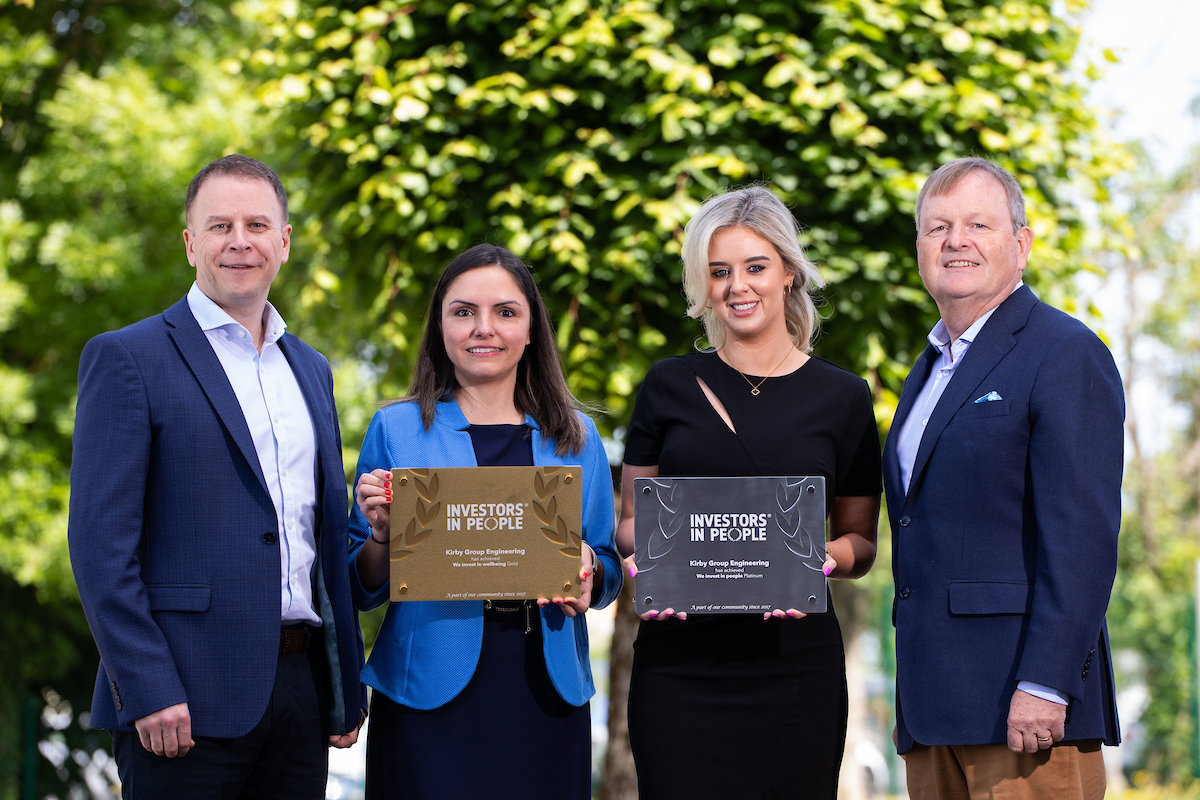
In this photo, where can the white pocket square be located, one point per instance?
(990, 397)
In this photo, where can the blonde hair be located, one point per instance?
(758, 210)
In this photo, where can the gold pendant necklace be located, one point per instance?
(754, 386)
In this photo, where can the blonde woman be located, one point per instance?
(749, 705)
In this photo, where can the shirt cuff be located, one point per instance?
(1044, 692)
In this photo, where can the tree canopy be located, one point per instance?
(584, 134)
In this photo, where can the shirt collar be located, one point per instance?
(211, 316)
(939, 337)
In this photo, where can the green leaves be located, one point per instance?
(584, 135)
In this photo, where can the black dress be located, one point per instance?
(725, 706)
(508, 734)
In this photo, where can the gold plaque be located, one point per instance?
(486, 533)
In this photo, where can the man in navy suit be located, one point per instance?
(208, 523)
(1003, 477)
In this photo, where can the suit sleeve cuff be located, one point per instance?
(1044, 692)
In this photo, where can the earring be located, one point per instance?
(787, 291)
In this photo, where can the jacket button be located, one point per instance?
(905, 592)
(904, 522)
(269, 537)
(115, 695)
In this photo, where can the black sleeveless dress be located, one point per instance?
(725, 706)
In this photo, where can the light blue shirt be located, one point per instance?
(913, 428)
(935, 385)
(277, 416)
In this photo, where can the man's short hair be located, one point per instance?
(946, 177)
(238, 166)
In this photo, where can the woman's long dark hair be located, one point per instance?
(541, 390)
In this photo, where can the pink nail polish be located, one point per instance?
(826, 571)
(632, 572)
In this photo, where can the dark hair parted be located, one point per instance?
(238, 166)
(541, 390)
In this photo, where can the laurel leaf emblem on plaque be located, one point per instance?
(670, 521)
(425, 514)
(554, 527)
(790, 522)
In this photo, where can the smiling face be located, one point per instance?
(237, 239)
(746, 284)
(969, 257)
(485, 326)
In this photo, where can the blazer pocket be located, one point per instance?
(992, 408)
(179, 598)
(981, 598)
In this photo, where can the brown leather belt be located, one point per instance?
(293, 639)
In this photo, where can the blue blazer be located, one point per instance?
(1005, 546)
(174, 540)
(426, 652)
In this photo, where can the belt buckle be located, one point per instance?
(292, 639)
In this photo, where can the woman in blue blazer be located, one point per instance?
(462, 688)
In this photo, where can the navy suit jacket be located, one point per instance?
(1005, 546)
(174, 540)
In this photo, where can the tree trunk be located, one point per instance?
(850, 602)
(620, 778)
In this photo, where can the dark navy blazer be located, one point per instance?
(173, 536)
(1005, 546)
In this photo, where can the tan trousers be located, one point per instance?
(1072, 771)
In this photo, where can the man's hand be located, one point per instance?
(167, 732)
(1033, 723)
(345, 740)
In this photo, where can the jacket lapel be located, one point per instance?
(197, 353)
(994, 341)
(908, 397)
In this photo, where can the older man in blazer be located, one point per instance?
(1003, 477)
(208, 523)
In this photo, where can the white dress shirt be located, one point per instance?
(282, 430)
(909, 441)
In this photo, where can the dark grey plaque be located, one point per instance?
(729, 545)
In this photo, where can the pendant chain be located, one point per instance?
(755, 386)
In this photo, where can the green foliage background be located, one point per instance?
(580, 134)
(584, 134)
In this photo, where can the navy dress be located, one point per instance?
(508, 734)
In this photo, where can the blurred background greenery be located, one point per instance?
(582, 134)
